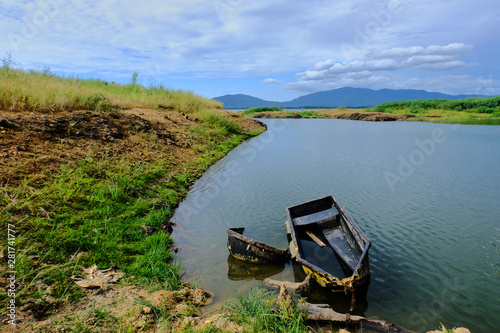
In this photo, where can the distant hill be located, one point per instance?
(240, 101)
(347, 97)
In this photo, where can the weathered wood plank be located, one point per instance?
(315, 238)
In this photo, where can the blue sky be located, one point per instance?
(275, 50)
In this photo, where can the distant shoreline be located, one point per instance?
(434, 116)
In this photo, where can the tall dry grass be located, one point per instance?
(42, 91)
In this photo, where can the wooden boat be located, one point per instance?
(246, 249)
(328, 244)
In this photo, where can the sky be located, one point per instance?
(275, 50)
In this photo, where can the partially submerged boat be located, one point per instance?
(246, 249)
(328, 244)
(239, 270)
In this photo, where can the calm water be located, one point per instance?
(427, 195)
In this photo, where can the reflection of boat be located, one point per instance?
(328, 244)
(239, 270)
(247, 249)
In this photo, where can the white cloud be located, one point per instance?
(375, 68)
(272, 81)
(432, 50)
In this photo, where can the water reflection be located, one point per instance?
(239, 270)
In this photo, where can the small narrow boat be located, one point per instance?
(328, 244)
(246, 249)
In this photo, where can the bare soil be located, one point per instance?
(35, 145)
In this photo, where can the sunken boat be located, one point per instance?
(247, 249)
(328, 244)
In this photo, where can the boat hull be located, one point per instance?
(324, 224)
(244, 248)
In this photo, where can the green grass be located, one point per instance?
(445, 330)
(261, 312)
(471, 111)
(42, 91)
(485, 105)
(98, 207)
(260, 109)
(309, 114)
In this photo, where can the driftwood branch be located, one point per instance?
(323, 312)
(298, 287)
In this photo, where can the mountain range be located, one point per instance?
(346, 97)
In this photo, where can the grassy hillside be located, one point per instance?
(30, 90)
(91, 173)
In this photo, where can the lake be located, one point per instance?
(427, 195)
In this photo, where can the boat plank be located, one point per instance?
(321, 216)
(338, 241)
(315, 238)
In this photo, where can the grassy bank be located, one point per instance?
(474, 111)
(484, 111)
(91, 173)
(42, 91)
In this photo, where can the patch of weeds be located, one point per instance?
(97, 102)
(261, 109)
(162, 314)
(102, 317)
(417, 111)
(153, 262)
(211, 328)
(218, 121)
(261, 313)
(445, 330)
(308, 114)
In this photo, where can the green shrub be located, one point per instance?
(308, 114)
(475, 104)
(261, 109)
